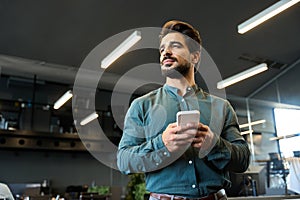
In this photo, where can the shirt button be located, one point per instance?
(182, 100)
(157, 164)
(193, 186)
(190, 162)
(140, 167)
(165, 153)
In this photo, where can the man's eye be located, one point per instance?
(176, 45)
(161, 50)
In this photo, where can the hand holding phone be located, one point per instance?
(185, 117)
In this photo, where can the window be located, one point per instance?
(287, 122)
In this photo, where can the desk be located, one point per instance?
(293, 179)
(257, 173)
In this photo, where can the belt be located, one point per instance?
(172, 197)
(215, 196)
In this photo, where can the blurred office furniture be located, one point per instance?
(94, 196)
(250, 183)
(5, 192)
(293, 179)
(276, 170)
(296, 154)
(73, 191)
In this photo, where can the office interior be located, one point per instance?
(47, 48)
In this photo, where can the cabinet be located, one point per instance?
(22, 139)
(25, 125)
(38, 127)
(28, 120)
(9, 114)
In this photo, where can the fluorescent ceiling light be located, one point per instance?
(285, 136)
(121, 49)
(265, 15)
(63, 99)
(253, 123)
(89, 118)
(246, 132)
(243, 75)
(276, 138)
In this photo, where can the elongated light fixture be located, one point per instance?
(89, 118)
(243, 75)
(246, 132)
(265, 15)
(121, 49)
(63, 99)
(285, 136)
(253, 123)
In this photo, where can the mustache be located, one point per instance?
(169, 57)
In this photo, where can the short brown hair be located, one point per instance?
(186, 29)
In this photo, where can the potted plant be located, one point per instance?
(136, 188)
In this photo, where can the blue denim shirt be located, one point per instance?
(195, 173)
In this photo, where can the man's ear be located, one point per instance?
(195, 57)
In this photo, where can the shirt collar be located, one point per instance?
(189, 90)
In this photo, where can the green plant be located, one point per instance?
(136, 188)
(102, 190)
(139, 191)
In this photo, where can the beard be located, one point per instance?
(177, 72)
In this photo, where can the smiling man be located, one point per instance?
(182, 162)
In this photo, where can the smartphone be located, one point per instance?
(185, 117)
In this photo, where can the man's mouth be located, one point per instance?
(168, 62)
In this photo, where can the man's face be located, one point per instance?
(175, 55)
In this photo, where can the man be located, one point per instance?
(188, 162)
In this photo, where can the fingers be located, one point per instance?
(177, 138)
(202, 127)
(198, 142)
(202, 131)
(172, 128)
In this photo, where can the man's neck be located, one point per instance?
(182, 84)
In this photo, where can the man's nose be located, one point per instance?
(167, 51)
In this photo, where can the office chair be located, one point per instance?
(5, 192)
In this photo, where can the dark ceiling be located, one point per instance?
(60, 34)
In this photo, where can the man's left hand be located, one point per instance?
(204, 137)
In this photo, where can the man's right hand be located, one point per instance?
(177, 138)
